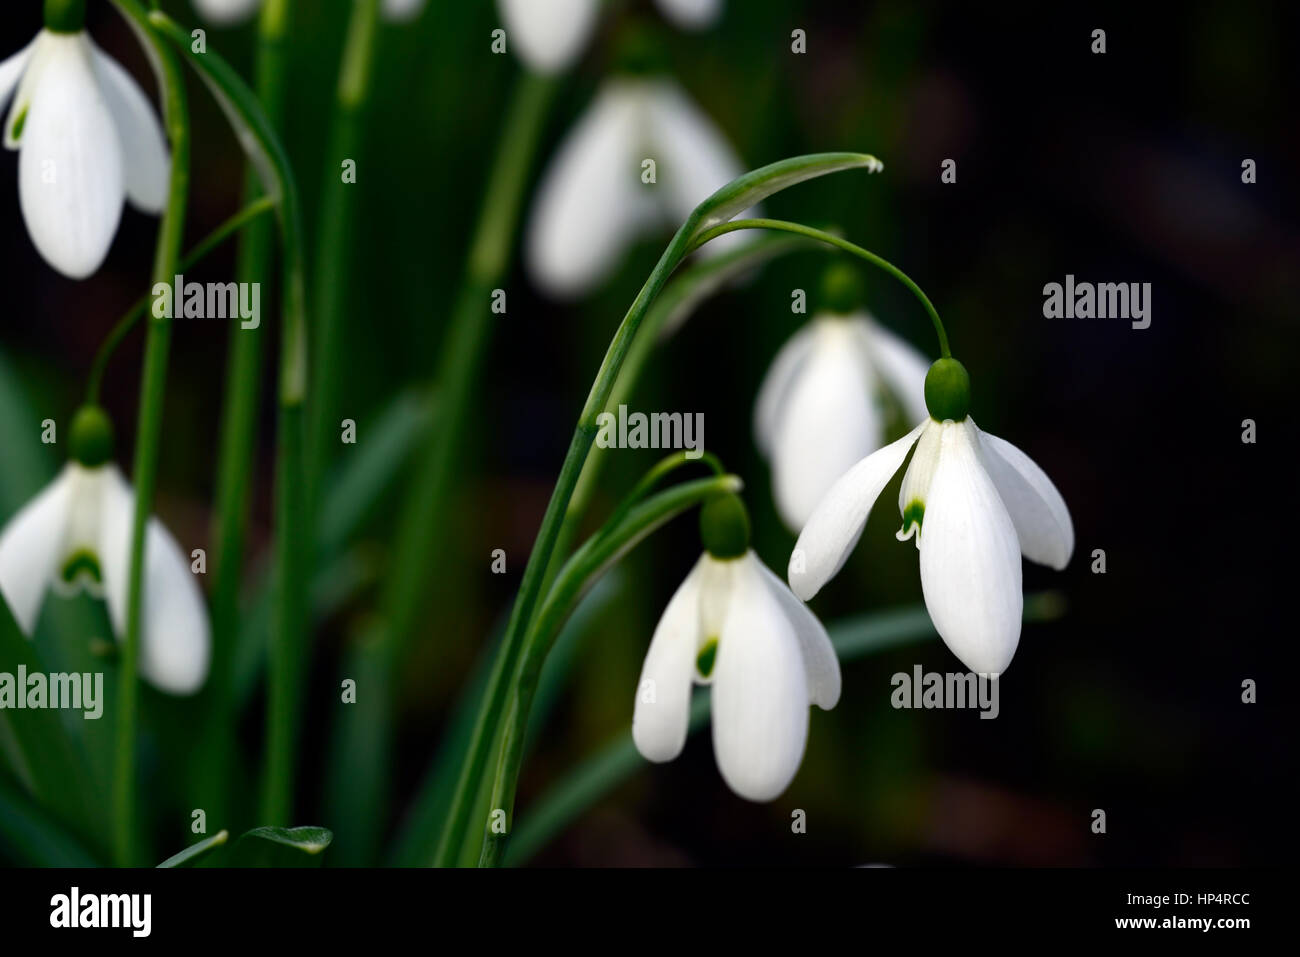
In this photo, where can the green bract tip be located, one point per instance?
(65, 16)
(724, 526)
(842, 290)
(92, 436)
(947, 390)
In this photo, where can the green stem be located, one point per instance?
(335, 251)
(831, 239)
(148, 435)
(238, 438)
(490, 716)
(133, 315)
(579, 574)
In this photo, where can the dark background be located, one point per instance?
(1117, 167)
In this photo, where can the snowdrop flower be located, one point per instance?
(76, 534)
(228, 12)
(593, 201)
(734, 625)
(87, 137)
(548, 35)
(831, 390)
(975, 504)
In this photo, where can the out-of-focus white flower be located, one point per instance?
(593, 202)
(87, 139)
(975, 503)
(228, 12)
(76, 534)
(735, 626)
(824, 401)
(548, 35)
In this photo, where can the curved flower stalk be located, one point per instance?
(828, 396)
(87, 139)
(974, 502)
(735, 626)
(548, 35)
(592, 202)
(231, 12)
(76, 535)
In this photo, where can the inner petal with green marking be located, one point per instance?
(706, 659)
(81, 569)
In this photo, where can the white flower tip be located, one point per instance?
(803, 584)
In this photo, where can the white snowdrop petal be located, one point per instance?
(691, 14)
(775, 387)
(693, 159)
(402, 11)
(590, 202)
(175, 636)
(547, 35)
(37, 56)
(70, 179)
(820, 662)
(837, 522)
(1037, 509)
(829, 423)
(901, 366)
(661, 715)
(11, 71)
(760, 694)
(29, 550)
(226, 12)
(970, 557)
(144, 147)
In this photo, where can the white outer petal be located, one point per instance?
(547, 35)
(591, 201)
(691, 14)
(70, 179)
(693, 159)
(775, 387)
(11, 71)
(829, 423)
(175, 637)
(402, 11)
(838, 520)
(970, 557)
(661, 716)
(760, 692)
(901, 366)
(29, 550)
(144, 147)
(38, 54)
(226, 12)
(1037, 509)
(820, 662)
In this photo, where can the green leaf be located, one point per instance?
(753, 187)
(192, 853)
(28, 464)
(281, 847)
(33, 742)
(30, 838)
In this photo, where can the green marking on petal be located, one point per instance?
(79, 563)
(19, 123)
(707, 657)
(913, 517)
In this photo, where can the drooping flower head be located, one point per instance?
(87, 139)
(76, 535)
(734, 626)
(829, 395)
(974, 502)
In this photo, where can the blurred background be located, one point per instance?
(1122, 167)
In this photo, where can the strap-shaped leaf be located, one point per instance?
(281, 847)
